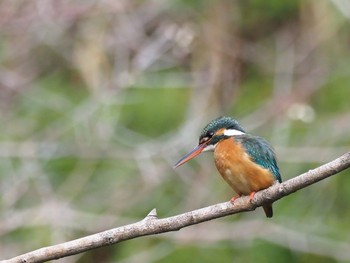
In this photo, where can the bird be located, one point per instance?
(246, 162)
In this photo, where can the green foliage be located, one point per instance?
(190, 253)
(260, 18)
(154, 111)
(327, 100)
(256, 91)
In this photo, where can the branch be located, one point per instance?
(151, 224)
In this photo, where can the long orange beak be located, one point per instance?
(197, 150)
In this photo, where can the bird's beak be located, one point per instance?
(197, 150)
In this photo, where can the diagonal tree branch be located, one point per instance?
(151, 224)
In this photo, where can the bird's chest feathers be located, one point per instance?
(238, 169)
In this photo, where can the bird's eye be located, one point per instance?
(209, 135)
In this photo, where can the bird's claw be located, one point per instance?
(233, 199)
(251, 196)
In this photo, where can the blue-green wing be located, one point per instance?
(261, 153)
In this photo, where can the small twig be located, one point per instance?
(151, 225)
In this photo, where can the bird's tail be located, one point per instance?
(268, 210)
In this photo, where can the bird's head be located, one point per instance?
(215, 131)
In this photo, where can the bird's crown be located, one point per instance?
(227, 125)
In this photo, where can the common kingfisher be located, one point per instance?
(246, 162)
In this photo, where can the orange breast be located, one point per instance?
(238, 170)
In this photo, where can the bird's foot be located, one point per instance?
(233, 199)
(251, 196)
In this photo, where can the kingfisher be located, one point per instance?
(246, 162)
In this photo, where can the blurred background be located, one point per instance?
(99, 99)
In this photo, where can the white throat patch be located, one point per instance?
(232, 132)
